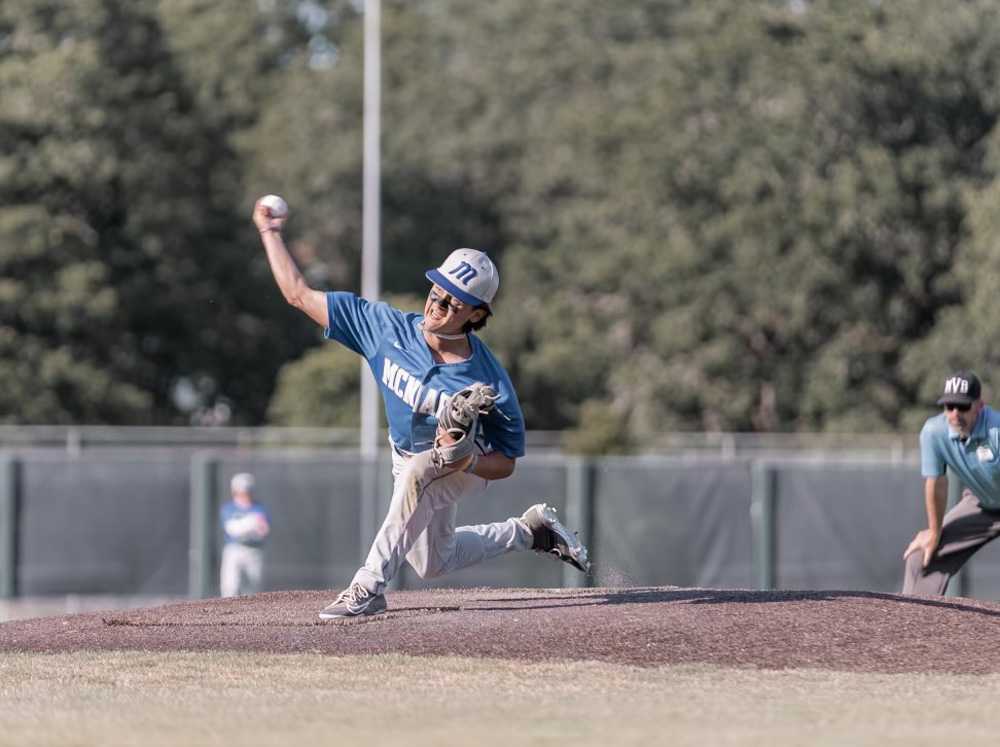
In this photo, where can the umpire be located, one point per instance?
(965, 439)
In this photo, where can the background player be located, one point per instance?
(246, 525)
(421, 362)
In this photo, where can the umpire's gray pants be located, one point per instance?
(965, 529)
(420, 525)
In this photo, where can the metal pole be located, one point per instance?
(10, 489)
(370, 240)
(371, 254)
(579, 513)
(204, 472)
(763, 518)
(961, 585)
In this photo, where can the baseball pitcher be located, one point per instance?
(454, 420)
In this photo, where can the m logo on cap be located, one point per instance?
(464, 272)
(955, 385)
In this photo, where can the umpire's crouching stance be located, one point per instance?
(965, 438)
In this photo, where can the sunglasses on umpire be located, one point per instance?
(961, 408)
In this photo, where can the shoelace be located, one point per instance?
(353, 594)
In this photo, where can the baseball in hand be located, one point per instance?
(277, 206)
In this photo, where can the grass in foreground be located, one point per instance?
(227, 698)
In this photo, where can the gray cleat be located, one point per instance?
(550, 536)
(354, 601)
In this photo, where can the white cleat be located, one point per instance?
(550, 536)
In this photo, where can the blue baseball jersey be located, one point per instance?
(976, 461)
(412, 383)
(237, 524)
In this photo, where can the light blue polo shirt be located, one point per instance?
(412, 382)
(976, 462)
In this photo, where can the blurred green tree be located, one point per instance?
(124, 268)
(769, 224)
(319, 389)
(708, 215)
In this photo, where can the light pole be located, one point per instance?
(371, 254)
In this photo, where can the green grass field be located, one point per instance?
(150, 699)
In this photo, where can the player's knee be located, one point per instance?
(424, 568)
(912, 569)
(924, 581)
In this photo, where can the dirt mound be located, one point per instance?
(843, 630)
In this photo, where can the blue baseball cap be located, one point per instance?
(468, 275)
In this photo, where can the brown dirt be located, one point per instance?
(841, 630)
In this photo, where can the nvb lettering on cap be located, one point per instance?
(468, 275)
(961, 388)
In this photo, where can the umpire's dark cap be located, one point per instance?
(961, 388)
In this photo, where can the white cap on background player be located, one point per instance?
(242, 483)
(468, 275)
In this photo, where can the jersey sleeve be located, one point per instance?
(931, 462)
(356, 322)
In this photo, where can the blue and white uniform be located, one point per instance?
(245, 529)
(415, 387)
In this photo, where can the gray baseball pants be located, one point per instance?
(420, 525)
(966, 528)
(241, 569)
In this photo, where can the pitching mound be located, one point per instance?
(851, 631)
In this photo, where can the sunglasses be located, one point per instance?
(446, 301)
(961, 408)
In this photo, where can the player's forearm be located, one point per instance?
(290, 280)
(494, 466)
(935, 501)
(286, 273)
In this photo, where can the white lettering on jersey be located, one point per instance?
(956, 385)
(411, 392)
(397, 381)
(428, 405)
(388, 371)
(407, 387)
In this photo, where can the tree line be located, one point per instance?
(769, 216)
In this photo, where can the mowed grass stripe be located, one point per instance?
(228, 698)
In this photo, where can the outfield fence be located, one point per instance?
(136, 514)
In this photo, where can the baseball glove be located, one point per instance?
(460, 420)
